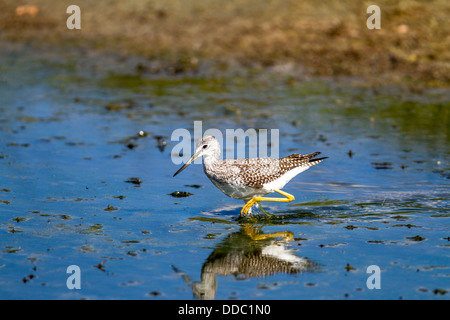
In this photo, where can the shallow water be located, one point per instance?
(80, 186)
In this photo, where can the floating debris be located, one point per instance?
(117, 106)
(13, 230)
(130, 241)
(28, 278)
(87, 248)
(9, 249)
(382, 165)
(132, 146)
(130, 142)
(73, 144)
(181, 194)
(18, 219)
(101, 266)
(348, 267)
(409, 226)
(196, 186)
(400, 218)
(439, 291)
(322, 138)
(15, 144)
(161, 142)
(142, 134)
(416, 238)
(93, 229)
(110, 208)
(134, 180)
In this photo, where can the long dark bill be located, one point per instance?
(195, 156)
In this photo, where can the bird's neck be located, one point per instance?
(209, 161)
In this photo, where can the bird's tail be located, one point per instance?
(313, 160)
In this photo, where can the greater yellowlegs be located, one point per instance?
(250, 179)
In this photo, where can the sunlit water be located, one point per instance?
(70, 148)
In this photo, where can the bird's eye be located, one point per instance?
(205, 146)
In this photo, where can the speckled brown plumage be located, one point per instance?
(257, 172)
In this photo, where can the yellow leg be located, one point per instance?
(256, 199)
(251, 232)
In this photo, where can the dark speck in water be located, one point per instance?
(416, 238)
(161, 140)
(132, 146)
(382, 165)
(118, 106)
(348, 267)
(180, 194)
(196, 186)
(134, 180)
(439, 291)
(101, 266)
(110, 208)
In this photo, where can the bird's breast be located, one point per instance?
(235, 190)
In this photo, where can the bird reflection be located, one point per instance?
(248, 253)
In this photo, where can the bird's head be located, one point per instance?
(206, 147)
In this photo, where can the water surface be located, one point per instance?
(80, 185)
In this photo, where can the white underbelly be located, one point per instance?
(279, 183)
(246, 193)
(239, 192)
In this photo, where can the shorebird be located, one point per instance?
(250, 179)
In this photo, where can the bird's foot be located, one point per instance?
(247, 209)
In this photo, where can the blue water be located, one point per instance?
(70, 142)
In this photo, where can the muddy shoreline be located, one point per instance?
(241, 37)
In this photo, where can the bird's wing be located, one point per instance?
(257, 172)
